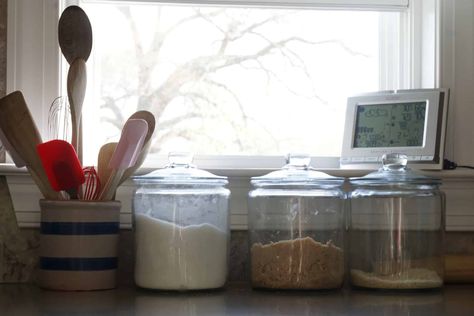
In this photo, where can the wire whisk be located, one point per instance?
(91, 187)
(59, 120)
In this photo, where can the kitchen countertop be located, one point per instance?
(237, 299)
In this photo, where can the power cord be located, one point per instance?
(451, 165)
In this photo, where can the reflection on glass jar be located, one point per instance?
(296, 228)
(396, 229)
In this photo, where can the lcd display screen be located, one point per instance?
(390, 125)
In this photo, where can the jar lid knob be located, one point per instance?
(298, 161)
(394, 161)
(180, 159)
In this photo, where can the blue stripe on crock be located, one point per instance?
(78, 264)
(79, 228)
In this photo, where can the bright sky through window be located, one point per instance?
(229, 81)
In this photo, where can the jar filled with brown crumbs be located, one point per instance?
(296, 228)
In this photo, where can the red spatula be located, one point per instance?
(62, 166)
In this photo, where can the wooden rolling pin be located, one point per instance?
(459, 268)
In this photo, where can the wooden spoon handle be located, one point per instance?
(76, 90)
(44, 188)
(108, 191)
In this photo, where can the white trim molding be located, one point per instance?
(458, 186)
(388, 5)
(33, 63)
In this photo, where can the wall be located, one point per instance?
(457, 73)
(3, 56)
(18, 248)
(3, 46)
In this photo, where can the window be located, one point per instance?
(226, 79)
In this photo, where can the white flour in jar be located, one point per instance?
(172, 257)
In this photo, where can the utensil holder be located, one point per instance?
(79, 245)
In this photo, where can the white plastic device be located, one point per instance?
(410, 122)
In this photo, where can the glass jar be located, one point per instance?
(396, 228)
(181, 226)
(296, 228)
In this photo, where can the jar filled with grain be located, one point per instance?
(296, 228)
(396, 228)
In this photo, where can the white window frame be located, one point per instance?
(33, 24)
(33, 57)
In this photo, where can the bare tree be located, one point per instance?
(194, 80)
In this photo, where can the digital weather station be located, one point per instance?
(410, 122)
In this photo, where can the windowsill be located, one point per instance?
(460, 173)
(458, 186)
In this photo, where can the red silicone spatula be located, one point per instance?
(62, 166)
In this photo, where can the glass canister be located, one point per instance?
(296, 228)
(396, 228)
(181, 227)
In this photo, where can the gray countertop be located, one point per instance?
(16, 299)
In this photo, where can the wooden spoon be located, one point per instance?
(22, 134)
(75, 40)
(76, 91)
(105, 154)
(150, 119)
(75, 34)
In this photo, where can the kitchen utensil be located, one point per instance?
(125, 155)
(75, 40)
(17, 160)
(76, 90)
(91, 188)
(150, 119)
(75, 34)
(22, 134)
(105, 154)
(59, 120)
(62, 167)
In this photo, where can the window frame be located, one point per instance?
(38, 28)
(454, 26)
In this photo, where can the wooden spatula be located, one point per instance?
(22, 134)
(105, 154)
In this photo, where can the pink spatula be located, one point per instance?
(62, 166)
(125, 155)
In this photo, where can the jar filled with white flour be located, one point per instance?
(181, 226)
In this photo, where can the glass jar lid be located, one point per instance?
(297, 172)
(180, 170)
(394, 171)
